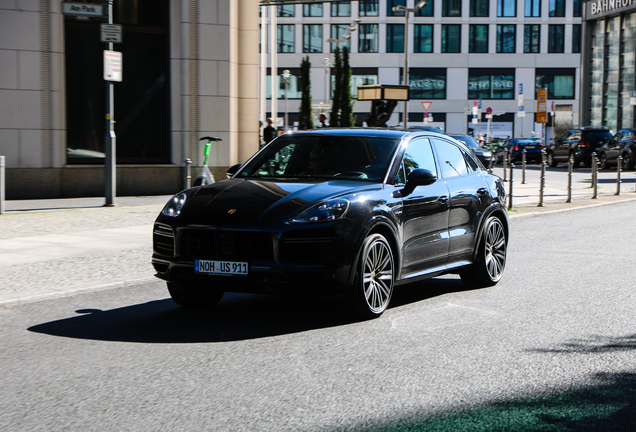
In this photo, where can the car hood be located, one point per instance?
(235, 201)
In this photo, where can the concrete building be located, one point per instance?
(190, 68)
(608, 95)
(459, 51)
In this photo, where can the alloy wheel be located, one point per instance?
(495, 249)
(377, 277)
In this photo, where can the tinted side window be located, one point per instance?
(418, 155)
(451, 158)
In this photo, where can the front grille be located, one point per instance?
(163, 240)
(308, 250)
(226, 245)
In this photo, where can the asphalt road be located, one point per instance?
(551, 347)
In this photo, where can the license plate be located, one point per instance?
(220, 267)
(531, 147)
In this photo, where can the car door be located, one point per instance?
(561, 145)
(613, 146)
(469, 198)
(424, 214)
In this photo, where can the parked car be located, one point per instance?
(578, 145)
(482, 154)
(345, 212)
(623, 144)
(426, 128)
(515, 148)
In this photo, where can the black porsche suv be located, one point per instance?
(578, 145)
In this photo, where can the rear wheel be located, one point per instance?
(491, 256)
(194, 297)
(626, 163)
(551, 161)
(575, 161)
(602, 161)
(373, 287)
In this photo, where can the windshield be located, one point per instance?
(297, 156)
(469, 141)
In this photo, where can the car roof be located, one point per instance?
(395, 133)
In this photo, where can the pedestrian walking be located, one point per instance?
(322, 118)
(270, 132)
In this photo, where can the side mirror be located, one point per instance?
(417, 177)
(232, 170)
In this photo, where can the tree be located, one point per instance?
(306, 120)
(334, 118)
(346, 99)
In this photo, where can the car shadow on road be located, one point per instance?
(237, 317)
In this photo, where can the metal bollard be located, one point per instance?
(542, 183)
(188, 175)
(619, 162)
(2, 187)
(595, 175)
(491, 163)
(512, 165)
(570, 165)
(505, 163)
(523, 167)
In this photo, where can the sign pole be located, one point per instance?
(110, 175)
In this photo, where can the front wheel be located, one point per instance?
(194, 297)
(551, 161)
(373, 287)
(575, 161)
(602, 161)
(626, 163)
(491, 256)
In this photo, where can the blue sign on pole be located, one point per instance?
(520, 88)
(634, 94)
(479, 106)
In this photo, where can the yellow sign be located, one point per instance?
(542, 105)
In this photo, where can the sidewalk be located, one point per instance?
(58, 247)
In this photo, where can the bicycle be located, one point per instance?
(206, 176)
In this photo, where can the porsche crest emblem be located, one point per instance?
(231, 211)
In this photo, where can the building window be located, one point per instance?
(533, 8)
(559, 82)
(483, 84)
(451, 38)
(390, 4)
(312, 38)
(286, 11)
(531, 38)
(427, 83)
(557, 8)
(341, 9)
(576, 11)
(395, 38)
(576, 38)
(451, 8)
(506, 8)
(312, 10)
(479, 8)
(506, 38)
(556, 38)
(361, 76)
(337, 32)
(426, 11)
(478, 38)
(423, 40)
(368, 39)
(293, 88)
(368, 8)
(286, 38)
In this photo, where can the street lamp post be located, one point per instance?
(286, 76)
(419, 5)
(326, 64)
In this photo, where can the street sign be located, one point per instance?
(82, 9)
(112, 66)
(520, 100)
(475, 102)
(542, 105)
(479, 106)
(426, 106)
(632, 100)
(110, 33)
(489, 110)
(520, 88)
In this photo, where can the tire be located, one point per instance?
(491, 256)
(576, 162)
(551, 161)
(627, 163)
(602, 161)
(373, 287)
(194, 298)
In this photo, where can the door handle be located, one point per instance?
(442, 199)
(482, 191)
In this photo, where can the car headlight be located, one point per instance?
(174, 206)
(327, 211)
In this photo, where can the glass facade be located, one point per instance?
(612, 58)
(558, 81)
(483, 84)
(596, 72)
(427, 83)
(628, 71)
